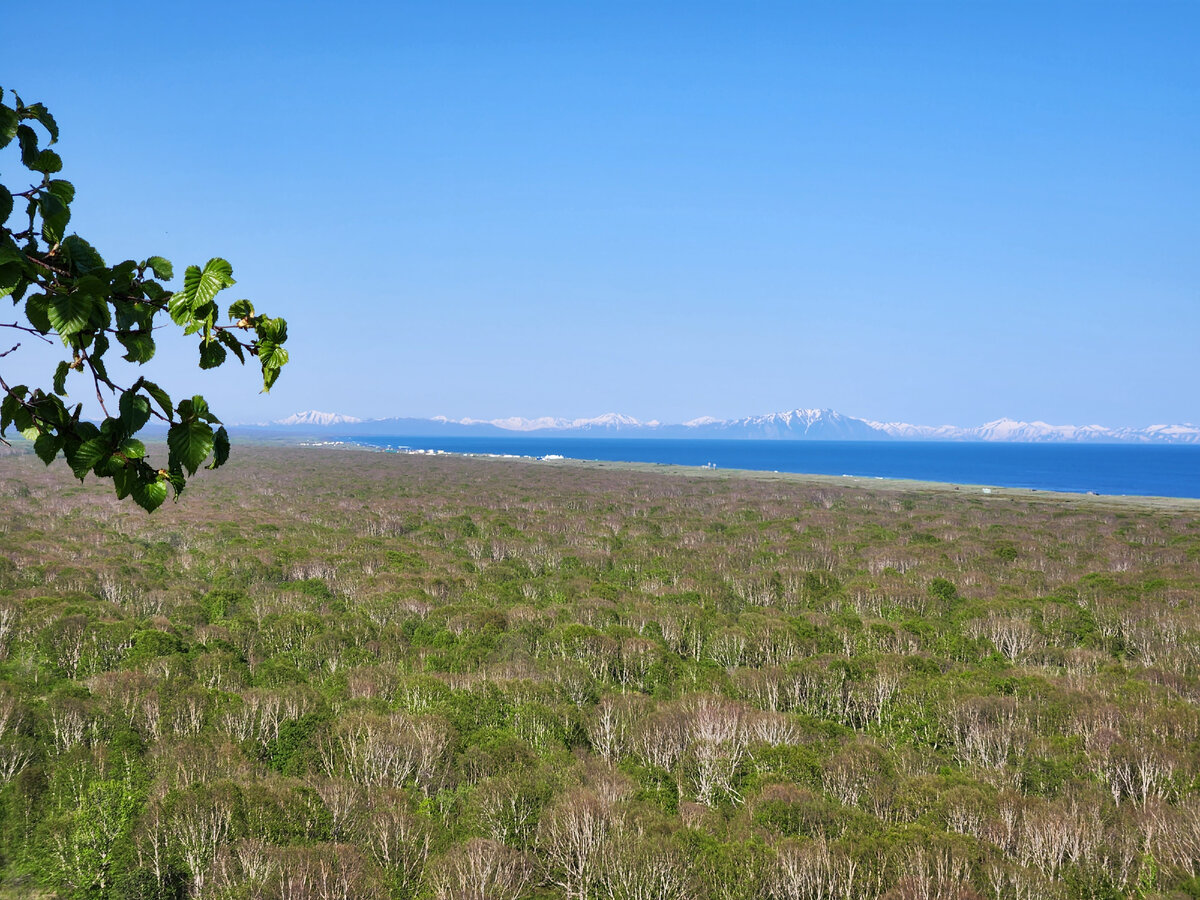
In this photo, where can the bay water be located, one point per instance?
(1165, 470)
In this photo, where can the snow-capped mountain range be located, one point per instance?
(312, 417)
(515, 423)
(795, 424)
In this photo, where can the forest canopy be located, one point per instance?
(342, 674)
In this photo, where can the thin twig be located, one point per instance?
(27, 330)
(96, 380)
(38, 261)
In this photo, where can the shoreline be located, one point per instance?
(978, 491)
(896, 485)
(861, 482)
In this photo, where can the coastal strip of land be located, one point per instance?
(863, 482)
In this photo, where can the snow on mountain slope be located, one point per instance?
(1184, 433)
(548, 423)
(824, 424)
(512, 423)
(313, 417)
(608, 420)
(905, 432)
(793, 424)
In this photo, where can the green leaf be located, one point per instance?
(88, 455)
(131, 448)
(6, 203)
(92, 285)
(232, 343)
(28, 140)
(135, 412)
(15, 412)
(189, 444)
(38, 112)
(82, 258)
(212, 354)
(149, 496)
(160, 267)
(124, 480)
(273, 330)
(139, 344)
(179, 306)
(10, 252)
(206, 313)
(69, 313)
(200, 286)
(8, 125)
(155, 291)
(220, 448)
(60, 378)
(271, 355)
(195, 408)
(160, 397)
(11, 275)
(122, 277)
(62, 189)
(127, 315)
(240, 309)
(55, 216)
(47, 446)
(10, 406)
(83, 430)
(47, 162)
(37, 309)
(99, 348)
(270, 376)
(200, 407)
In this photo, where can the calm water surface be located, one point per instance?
(1149, 470)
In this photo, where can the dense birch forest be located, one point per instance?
(339, 674)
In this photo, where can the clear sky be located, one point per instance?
(930, 211)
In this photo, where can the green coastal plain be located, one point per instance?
(331, 674)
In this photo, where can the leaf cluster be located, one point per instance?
(66, 291)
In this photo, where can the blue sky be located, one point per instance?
(929, 212)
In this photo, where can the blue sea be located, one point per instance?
(1170, 470)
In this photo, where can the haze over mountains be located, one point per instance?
(796, 424)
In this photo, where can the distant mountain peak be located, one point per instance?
(608, 420)
(551, 423)
(313, 417)
(793, 424)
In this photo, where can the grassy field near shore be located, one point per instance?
(345, 674)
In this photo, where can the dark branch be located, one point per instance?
(27, 330)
